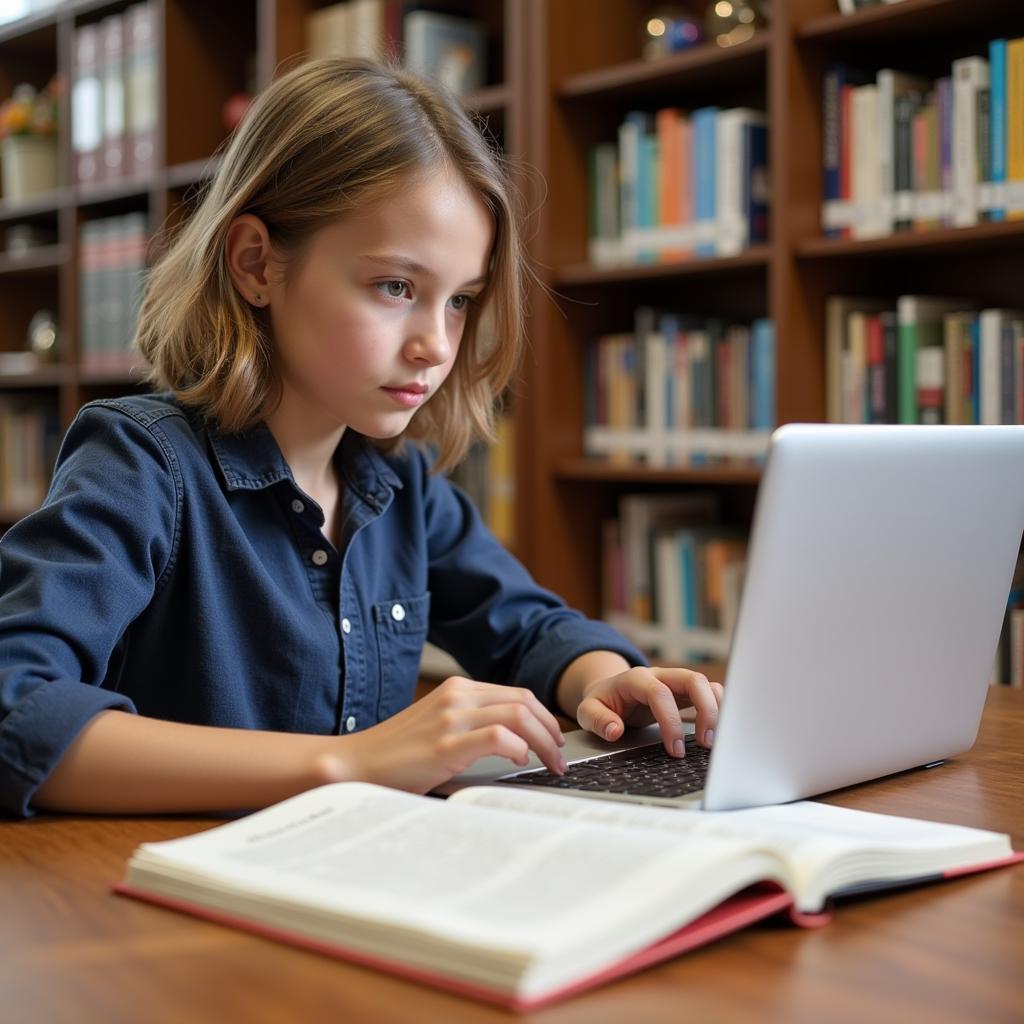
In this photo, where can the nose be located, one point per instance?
(428, 341)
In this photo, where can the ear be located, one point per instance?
(248, 253)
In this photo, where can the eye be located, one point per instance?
(468, 301)
(387, 285)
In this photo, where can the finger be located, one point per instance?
(644, 686)
(519, 720)
(487, 694)
(595, 716)
(699, 691)
(464, 749)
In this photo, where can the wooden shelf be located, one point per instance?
(703, 63)
(491, 100)
(35, 206)
(586, 274)
(45, 377)
(113, 191)
(907, 18)
(128, 377)
(993, 234)
(590, 470)
(183, 175)
(40, 260)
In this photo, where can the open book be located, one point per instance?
(524, 898)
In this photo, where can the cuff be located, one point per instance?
(37, 732)
(542, 666)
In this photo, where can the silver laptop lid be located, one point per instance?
(879, 566)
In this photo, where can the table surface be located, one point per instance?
(953, 951)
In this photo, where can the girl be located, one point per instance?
(224, 597)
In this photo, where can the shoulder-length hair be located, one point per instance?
(323, 139)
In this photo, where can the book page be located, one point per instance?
(472, 873)
(825, 847)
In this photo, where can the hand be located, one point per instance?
(643, 695)
(444, 732)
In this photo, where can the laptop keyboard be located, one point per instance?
(640, 771)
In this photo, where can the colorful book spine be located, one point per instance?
(705, 146)
(997, 127)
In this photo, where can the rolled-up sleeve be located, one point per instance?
(73, 576)
(490, 614)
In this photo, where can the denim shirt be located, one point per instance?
(181, 573)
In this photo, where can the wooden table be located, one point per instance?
(74, 951)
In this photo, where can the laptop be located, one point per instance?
(879, 565)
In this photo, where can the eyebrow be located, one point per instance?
(413, 267)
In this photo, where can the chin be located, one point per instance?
(382, 428)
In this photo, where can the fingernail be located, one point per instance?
(709, 737)
(679, 748)
(561, 739)
(609, 731)
(560, 766)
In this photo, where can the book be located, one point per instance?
(86, 105)
(452, 48)
(920, 325)
(112, 162)
(522, 898)
(142, 89)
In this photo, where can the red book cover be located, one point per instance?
(747, 907)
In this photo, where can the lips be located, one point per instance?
(416, 389)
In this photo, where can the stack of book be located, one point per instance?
(680, 390)
(672, 575)
(451, 48)
(679, 185)
(114, 96)
(923, 359)
(487, 475)
(29, 437)
(904, 153)
(112, 265)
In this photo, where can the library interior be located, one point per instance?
(740, 214)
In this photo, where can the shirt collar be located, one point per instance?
(252, 460)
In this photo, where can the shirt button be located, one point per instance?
(397, 612)
(346, 626)
(319, 557)
(297, 507)
(350, 723)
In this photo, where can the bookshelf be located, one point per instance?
(563, 74)
(203, 54)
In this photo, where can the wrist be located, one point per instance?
(332, 761)
(579, 673)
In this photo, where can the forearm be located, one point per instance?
(587, 667)
(126, 763)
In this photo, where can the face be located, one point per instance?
(370, 326)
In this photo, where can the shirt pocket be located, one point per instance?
(401, 625)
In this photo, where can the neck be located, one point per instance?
(307, 442)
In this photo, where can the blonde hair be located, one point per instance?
(323, 139)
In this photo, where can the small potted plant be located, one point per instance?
(28, 140)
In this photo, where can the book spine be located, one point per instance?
(969, 75)
(756, 183)
(1015, 129)
(890, 358)
(944, 98)
(113, 42)
(1006, 376)
(86, 105)
(705, 135)
(931, 363)
(142, 99)
(997, 126)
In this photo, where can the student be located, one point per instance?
(223, 599)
